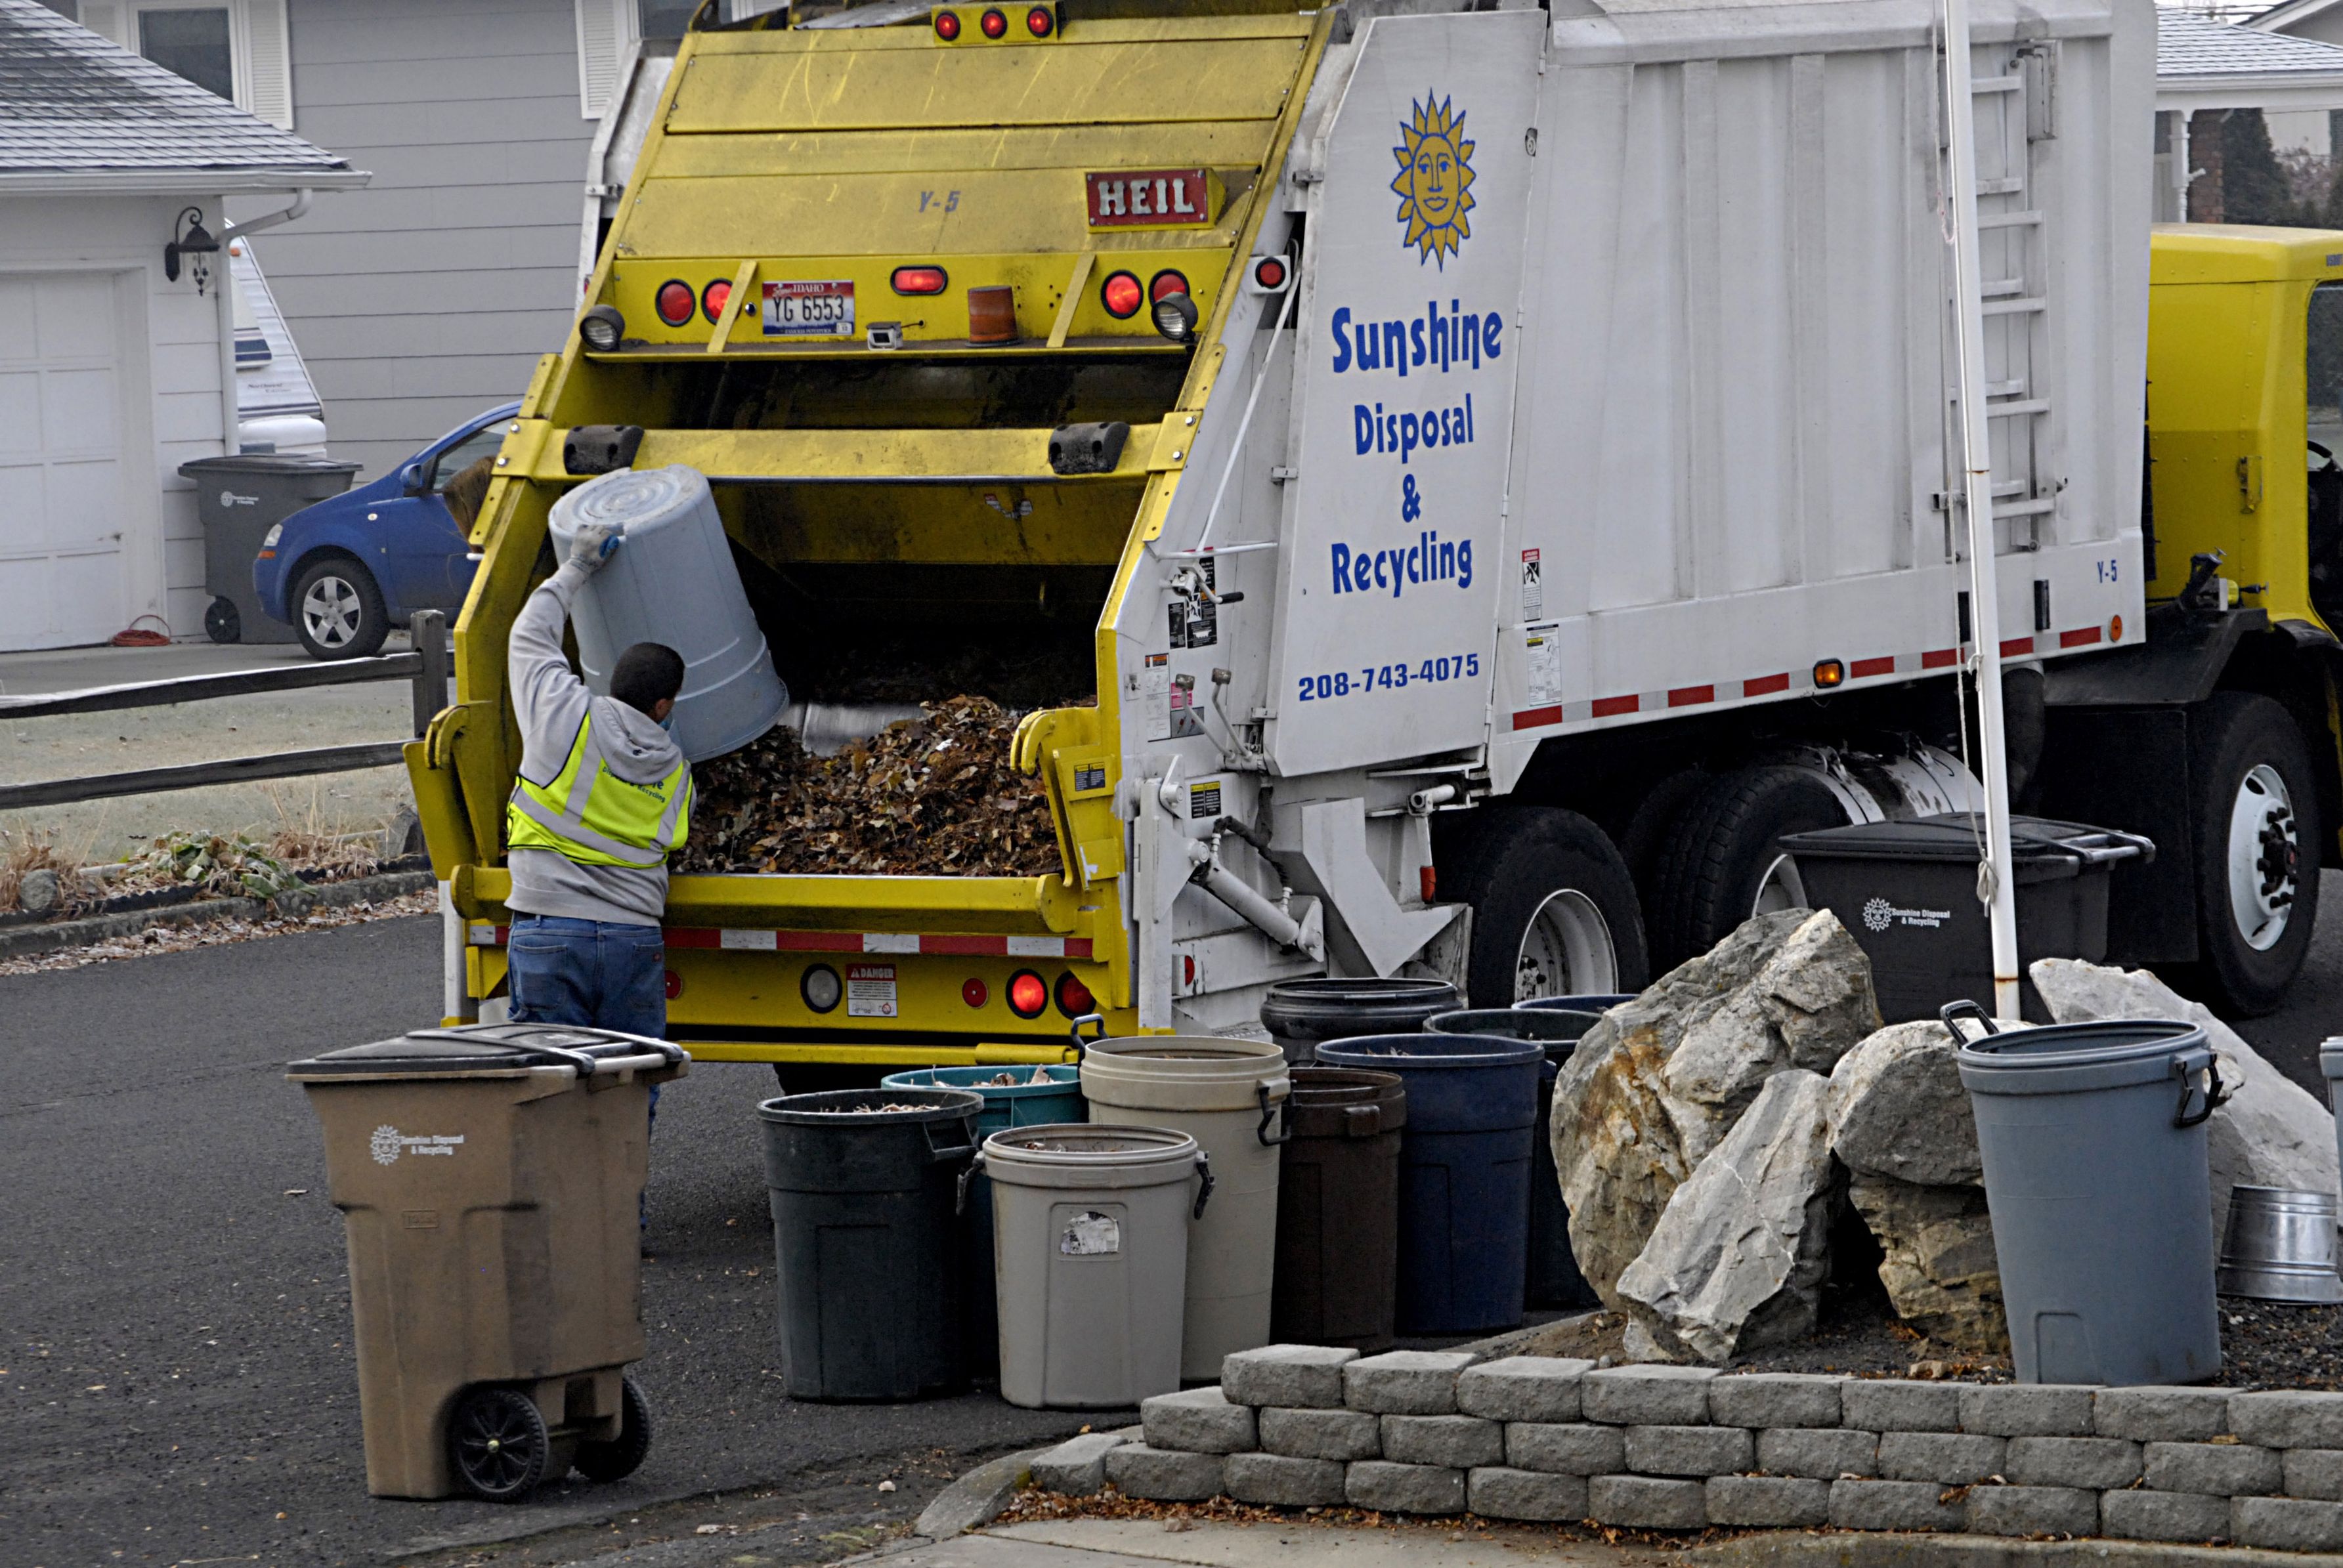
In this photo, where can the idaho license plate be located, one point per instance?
(809, 308)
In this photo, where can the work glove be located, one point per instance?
(595, 543)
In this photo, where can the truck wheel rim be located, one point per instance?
(1567, 951)
(331, 611)
(1781, 887)
(2265, 859)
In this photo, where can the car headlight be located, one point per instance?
(268, 540)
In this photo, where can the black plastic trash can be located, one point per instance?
(1908, 893)
(239, 499)
(873, 1270)
(1338, 1209)
(1300, 1013)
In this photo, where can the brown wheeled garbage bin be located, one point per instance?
(489, 1178)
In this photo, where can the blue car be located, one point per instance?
(345, 570)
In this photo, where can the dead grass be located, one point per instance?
(22, 853)
(307, 838)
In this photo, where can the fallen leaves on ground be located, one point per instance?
(160, 939)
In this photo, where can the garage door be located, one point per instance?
(61, 461)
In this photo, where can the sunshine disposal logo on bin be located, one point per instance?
(1878, 914)
(388, 1143)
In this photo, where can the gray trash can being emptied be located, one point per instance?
(239, 499)
(2093, 1138)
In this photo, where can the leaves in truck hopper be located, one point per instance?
(932, 798)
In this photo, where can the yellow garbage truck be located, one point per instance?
(1492, 469)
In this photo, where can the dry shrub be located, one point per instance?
(25, 852)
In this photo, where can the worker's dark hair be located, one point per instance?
(648, 674)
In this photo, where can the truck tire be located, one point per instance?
(1722, 864)
(338, 609)
(1554, 911)
(2256, 813)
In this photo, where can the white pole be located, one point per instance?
(1995, 889)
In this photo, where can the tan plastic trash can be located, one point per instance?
(1228, 1095)
(489, 1179)
(1090, 1247)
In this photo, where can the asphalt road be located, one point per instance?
(174, 1319)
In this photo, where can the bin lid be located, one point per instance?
(486, 1048)
(2044, 850)
(264, 463)
(1406, 1053)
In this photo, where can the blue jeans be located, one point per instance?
(590, 973)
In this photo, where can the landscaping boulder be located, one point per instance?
(1738, 1257)
(1899, 1109)
(1938, 1264)
(2271, 1133)
(1661, 1080)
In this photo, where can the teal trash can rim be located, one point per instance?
(935, 1078)
(1429, 1052)
(832, 1106)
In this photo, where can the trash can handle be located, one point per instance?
(1361, 1120)
(1205, 1193)
(1075, 1032)
(2185, 1067)
(938, 1156)
(1966, 1008)
(1269, 1112)
(959, 1200)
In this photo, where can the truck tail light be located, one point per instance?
(712, 298)
(919, 279)
(1028, 994)
(820, 988)
(1830, 672)
(674, 985)
(1428, 880)
(676, 302)
(1121, 295)
(973, 992)
(993, 315)
(1271, 274)
(1040, 22)
(1074, 998)
(948, 27)
(1166, 284)
(995, 24)
(602, 327)
(2115, 629)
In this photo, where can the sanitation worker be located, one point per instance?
(603, 797)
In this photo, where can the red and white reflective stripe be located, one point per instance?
(1880, 667)
(765, 940)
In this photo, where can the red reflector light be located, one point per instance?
(1121, 295)
(994, 24)
(674, 985)
(1074, 998)
(1028, 994)
(1039, 21)
(712, 298)
(973, 992)
(1166, 284)
(1429, 879)
(676, 302)
(946, 26)
(920, 280)
(1270, 271)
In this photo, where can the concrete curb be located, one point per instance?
(977, 1497)
(23, 941)
(1857, 1548)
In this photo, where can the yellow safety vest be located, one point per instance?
(595, 817)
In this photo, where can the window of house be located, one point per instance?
(194, 42)
(663, 18)
(239, 49)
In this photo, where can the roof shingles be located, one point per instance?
(2188, 45)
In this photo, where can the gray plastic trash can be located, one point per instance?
(2331, 1062)
(238, 501)
(2093, 1137)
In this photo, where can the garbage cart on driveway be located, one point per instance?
(489, 1177)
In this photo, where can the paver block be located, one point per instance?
(1895, 1505)
(1404, 1488)
(1777, 1501)
(1820, 1453)
(2033, 1510)
(2315, 1473)
(1701, 1450)
(2286, 1420)
(1277, 1481)
(1162, 1475)
(2098, 1463)
(1198, 1420)
(1646, 1395)
(1566, 1448)
(1077, 1467)
(2286, 1523)
(1888, 1405)
(1458, 1441)
(1944, 1458)
(2218, 1469)
(1522, 1388)
(2144, 1515)
(1405, 1383)
(1342, 1435)
(1295, 1377)
(2026, 1409)
(2161, 1415)
(1647, 1503)
(1494, 1491)
(1774, 1399)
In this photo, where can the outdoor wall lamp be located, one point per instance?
(196, 243)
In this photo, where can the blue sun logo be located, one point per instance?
(1434, 183)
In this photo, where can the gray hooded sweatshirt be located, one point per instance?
(550, 702)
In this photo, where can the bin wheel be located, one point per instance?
(2257, 848)
(1554, 911)
(498, 1443)
(618, 1458)
(221, 622)
(1722, 864)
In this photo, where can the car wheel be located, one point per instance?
(1725, 864)
(338, 609)
(1554, 911)
(2257, 848)
(221, 622)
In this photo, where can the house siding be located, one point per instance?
(427, 296)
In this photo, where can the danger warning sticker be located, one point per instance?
(870, 991)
